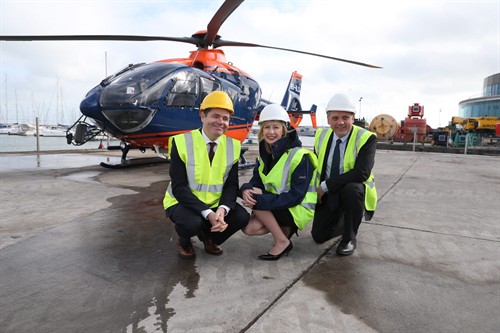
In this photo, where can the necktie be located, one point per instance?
(211, 152)
(336, 160)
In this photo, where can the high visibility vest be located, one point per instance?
(358, 138)
(279, 177)
(205, 181)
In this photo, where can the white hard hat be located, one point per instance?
(273, 112)
(340, 102)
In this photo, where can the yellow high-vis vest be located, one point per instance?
(205, 181)
(279, 178)
(358, 138)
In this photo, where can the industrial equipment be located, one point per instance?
(385, 126)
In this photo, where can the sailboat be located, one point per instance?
(53, 130)
(26, 130)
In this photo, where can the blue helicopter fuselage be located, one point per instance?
(144, 104)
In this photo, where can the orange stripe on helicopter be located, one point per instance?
(207, 59)
(238, 132)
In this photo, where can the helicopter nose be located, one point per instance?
(90, 105)
(129, 119)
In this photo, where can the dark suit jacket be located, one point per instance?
(182, 192)
(361, 171)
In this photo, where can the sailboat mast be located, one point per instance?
(6, 103)
(17, 109)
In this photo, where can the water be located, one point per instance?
(18, 143)
(14, 162)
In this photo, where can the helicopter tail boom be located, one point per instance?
(291, 102)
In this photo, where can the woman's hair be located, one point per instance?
(260, 135)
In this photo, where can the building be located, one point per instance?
(487, 105)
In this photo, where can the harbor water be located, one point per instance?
(19, 143)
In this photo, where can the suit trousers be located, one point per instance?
(189, 223)
(343, 220)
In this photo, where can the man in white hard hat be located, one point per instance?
(346, 156)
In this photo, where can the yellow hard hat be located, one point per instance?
(217, 100)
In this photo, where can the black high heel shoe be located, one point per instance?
(271, 257)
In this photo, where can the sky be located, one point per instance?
(435, 53)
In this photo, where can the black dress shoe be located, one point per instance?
(346, 249)
(270, 257)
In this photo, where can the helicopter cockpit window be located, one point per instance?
(139, 86)
(184, 90)
(207, 86)
(232, 93)
(250, 92)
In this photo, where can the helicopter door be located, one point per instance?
(184, 90)
(207, 86)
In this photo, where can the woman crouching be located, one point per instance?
(282, 191)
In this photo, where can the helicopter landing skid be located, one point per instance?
(244, 164)
(135, 162)
(128, 163)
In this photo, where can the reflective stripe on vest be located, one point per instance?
(302, 213)
(357, 140)
(205, 181)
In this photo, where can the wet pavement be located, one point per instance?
(88, 249)
(16, 162)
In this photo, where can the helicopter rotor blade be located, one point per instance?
(190, 40)
(220, 16)
(209, 38)
(221, 42)
(134, 38)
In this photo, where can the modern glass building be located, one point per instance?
(487, 105)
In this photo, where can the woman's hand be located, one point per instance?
(248, 196)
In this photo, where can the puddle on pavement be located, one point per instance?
(83, 177)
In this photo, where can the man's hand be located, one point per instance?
(217, 220)
(320, 192)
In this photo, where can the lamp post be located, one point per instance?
(360, 107)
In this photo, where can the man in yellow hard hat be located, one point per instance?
(201, 196)
(346, 156)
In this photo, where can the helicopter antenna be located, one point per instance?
(105, 63)
(195, 57)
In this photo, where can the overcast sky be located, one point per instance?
(436, 53)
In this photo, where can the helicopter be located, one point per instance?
(144, 104)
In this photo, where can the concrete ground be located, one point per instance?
(88, 249)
